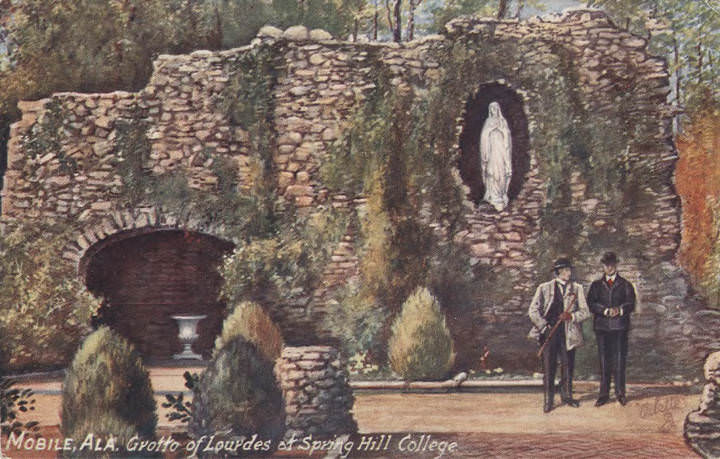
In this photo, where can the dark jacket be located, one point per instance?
(602, 297)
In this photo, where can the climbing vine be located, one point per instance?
(45, 138)
(399, 151)
(280, 252)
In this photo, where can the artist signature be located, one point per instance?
(663, 408)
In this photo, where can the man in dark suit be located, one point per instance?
(611, 300)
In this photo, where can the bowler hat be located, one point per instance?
(609, 258)
(562, 263)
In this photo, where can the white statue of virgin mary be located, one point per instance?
(495, 157)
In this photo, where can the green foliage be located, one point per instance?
(107, 386)
(132, 149)
(46, 136)
(397, 152)
(421, 347)
(238, 395)
(285, 264)
(356, 320)
(569, 138)
(685, 32)
(13, 402)
(281, 252)
(45, 308)
(181, 409)
(247, 100)
(250, 321)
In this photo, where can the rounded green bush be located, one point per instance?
(421, 347)
(250, 321)
(238, 394)
(107, 385)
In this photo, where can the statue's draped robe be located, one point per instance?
(495, 157)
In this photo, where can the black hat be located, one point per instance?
(562, 263)
(609, 258)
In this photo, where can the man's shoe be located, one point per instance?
(622, 400)
(571, 402)
(601, 401)
(547, 407)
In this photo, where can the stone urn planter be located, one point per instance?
(187, 326)
(702, 426)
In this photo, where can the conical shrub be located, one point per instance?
(421, 347)
(107, 385)
(250, 321)
(238, 397)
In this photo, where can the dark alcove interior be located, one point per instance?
(145, 279)
(476, 113)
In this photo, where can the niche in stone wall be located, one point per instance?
(146, 278)
(476, 113)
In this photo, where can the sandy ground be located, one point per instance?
(520, 413)
(496, 423)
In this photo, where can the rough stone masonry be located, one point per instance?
(321, 80)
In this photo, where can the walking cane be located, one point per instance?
(570, 299)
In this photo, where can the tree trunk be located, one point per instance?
(502, 9)
(356, 26)
(701, 54)
(301, 11)
(388, 11)
(397, 33)
(712, 73)
(218, 29)
(678, 99)
(521, 5)
(411, 19)
(375, 21)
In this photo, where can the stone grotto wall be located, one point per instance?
(320, 83)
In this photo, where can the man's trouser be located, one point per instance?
(612, 350)
(555, 349)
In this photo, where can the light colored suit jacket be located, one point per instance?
(540, 305)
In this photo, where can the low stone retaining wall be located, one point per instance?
(318, 398)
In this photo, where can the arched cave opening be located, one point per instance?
(146, 278)
(476, 112)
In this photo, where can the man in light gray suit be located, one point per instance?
(559, 300)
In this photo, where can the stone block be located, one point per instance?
(296, 33)
(101, 148)
(320, 35)
(316, 59)
(269, 32)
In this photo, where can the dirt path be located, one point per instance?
(491, 424)
(520, 413)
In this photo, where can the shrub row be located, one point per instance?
(107, 390)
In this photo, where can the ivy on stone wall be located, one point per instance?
(395, 152)
(46, 138)
(280, 252)
(400, 151)
(132, 149)
(569, 136)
